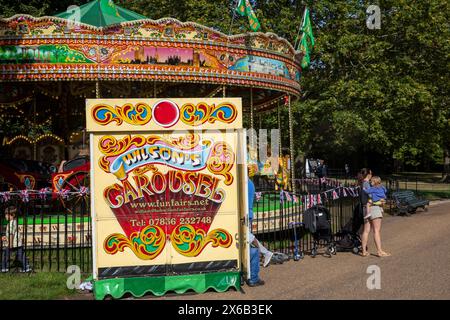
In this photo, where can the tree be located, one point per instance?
(374, 95)
(377, 91)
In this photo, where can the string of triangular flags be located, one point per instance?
(311, 200)
(324, 181)
(316, 199)
(44, 193)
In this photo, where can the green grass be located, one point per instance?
(47, 260)
(270, 202)
(50, 219)
(35, 286)
(434, 195)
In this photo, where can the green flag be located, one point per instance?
(307, 27)
(244, 8)
(304, 47)
(306, 43)
(241, 8)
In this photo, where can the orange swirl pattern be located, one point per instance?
(111, 147)
(138, 114)
(186, 142)
(221, 161)
(146, 244)
(200, 113)
(190, 242)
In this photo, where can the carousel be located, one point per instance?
(50, 65)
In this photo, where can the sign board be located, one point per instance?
(167, 194)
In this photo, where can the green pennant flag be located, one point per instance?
(244, 8)
(306, 43)
(307, 27)
(304, 47)
(241, 8)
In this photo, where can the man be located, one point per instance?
(324, 169)
(256, 248)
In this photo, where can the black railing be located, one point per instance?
(278, 218)
(53, 233)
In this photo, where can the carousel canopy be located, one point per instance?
(101, 13)
(128, 55)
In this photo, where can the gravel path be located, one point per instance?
(419, 267)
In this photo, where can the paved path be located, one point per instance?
(419, 267)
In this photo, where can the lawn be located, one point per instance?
(35, 286)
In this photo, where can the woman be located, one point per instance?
(374, 221)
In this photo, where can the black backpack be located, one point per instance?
(317, 218)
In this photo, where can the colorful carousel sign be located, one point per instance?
(167, 198)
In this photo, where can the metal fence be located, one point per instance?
(417, 184)
(275, 221)
(53, 232)
(50, 232)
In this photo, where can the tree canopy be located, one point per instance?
(371, 95)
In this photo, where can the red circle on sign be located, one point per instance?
(165, 113)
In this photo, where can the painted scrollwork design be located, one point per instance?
(111, 147)
(200, 113)
(190, 242)
(138, 114)
(146, 244)
(221, 161)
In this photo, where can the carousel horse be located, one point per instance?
(282, 174)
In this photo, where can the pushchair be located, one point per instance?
(349, 234)
(317, 220)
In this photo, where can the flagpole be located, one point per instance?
(300, 28)
(232, 19)
(229, 31)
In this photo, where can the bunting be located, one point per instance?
(309, 200)
(26, 195)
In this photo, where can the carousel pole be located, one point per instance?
(97, 89)
(223, 91)
(252, 120)
(279, 130)
(34, 126)
(291, 144)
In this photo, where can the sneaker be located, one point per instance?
(5, 270)
(27, 269)
(267, 257)
(256, 284)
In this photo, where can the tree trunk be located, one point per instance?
(446, 172)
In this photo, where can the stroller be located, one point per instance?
(317, 220)
(349, 234)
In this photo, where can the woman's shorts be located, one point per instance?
(376, 212)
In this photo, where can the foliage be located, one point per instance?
(382, 93)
